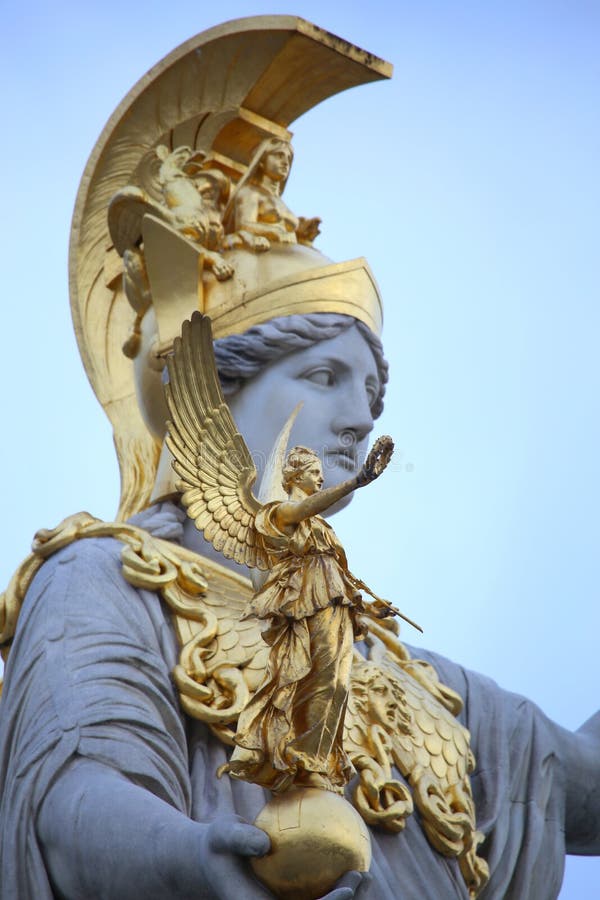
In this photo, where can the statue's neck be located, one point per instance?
(270, 185)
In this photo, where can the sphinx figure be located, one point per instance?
(257, 207)
(129, 654)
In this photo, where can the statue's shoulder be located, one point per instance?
(83, 548)
(80, 544)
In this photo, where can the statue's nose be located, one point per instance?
(355, 419)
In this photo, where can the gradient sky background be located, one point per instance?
(470, 182)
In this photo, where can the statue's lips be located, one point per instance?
(344, 457)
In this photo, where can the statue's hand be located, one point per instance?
(287, 237)
(225, 843)
(377, 459)
(307, 230)
(349, 886)
(228, 840)
(383, 610)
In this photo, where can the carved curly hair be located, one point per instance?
(242, 356)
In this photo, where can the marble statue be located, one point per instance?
(129, 656)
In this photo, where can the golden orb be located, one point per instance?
(316, 836)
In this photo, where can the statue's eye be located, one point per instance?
(372, 389)
(322, 376)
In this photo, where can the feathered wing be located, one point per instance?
(210, 456)
(125, 213)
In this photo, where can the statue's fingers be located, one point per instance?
(349, 886)
(232, 836)
(365, 880)
(350, 879)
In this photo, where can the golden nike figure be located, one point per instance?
(291, 731)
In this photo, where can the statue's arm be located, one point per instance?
(290, 513)
(88, 681)
(528, 758)
(247, 216)
(103, 836)
(580, 751)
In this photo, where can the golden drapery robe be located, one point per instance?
(292, 728)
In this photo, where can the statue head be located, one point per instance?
(302, 469)
(381, 699)
(331, 363)
(267, 308)
(273, 159)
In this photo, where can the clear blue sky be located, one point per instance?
(471, 184)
